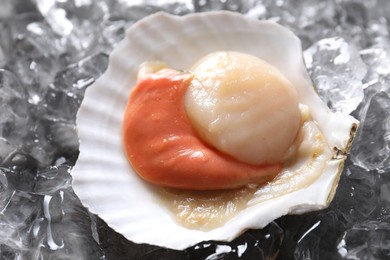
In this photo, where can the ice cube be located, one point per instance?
(337, 71)
(372, 143)
(366, 240)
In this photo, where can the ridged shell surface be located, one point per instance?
(105, 181)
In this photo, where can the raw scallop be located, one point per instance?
(105, 181)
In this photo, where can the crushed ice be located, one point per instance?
(52, 50)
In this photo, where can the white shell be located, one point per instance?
(103, 178)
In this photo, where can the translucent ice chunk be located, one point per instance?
(38, 221)
(63, 98)
(54, 135)
(377, 59)
(64, 16)
(13, 114)
(5, 43)
(231, 5)
(37, 50)
(357, 194)
(337, 71)
(372, 144)
(367, 240)
(78, 22)
(14, 219)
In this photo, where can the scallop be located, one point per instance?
(230, 94)
(312, 151)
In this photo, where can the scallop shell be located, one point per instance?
(105, 181)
